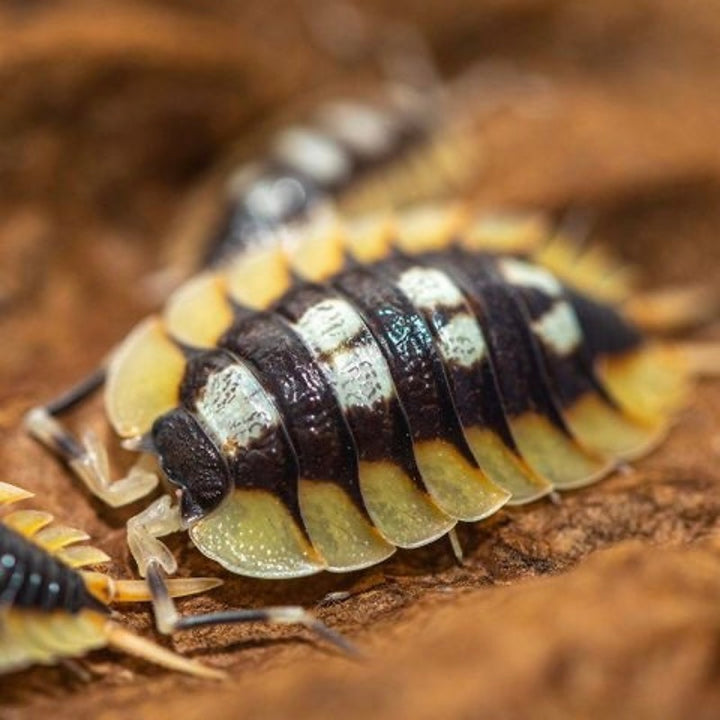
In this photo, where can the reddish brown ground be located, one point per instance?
(108, 118)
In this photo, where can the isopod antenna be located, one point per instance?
(169, 620)
(86, 456)
(155, 562)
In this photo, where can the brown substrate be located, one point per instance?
(105, 124)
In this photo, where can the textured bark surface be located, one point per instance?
(606, 604)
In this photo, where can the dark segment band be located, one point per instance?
(375, 361)
(32, 578)
(315, 424)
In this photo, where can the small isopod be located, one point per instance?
(319, 401)
(390, 147)
(52, 610)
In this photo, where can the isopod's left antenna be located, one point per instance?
(87, 457)
(155, 562)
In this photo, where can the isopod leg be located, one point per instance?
(76, 394)
(155, 560)
(87, 457)
(456, 546)
(158, 519)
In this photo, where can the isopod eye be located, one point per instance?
(191, 461)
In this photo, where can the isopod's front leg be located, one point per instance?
(87, 457)
(155, 562)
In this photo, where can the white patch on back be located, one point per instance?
(517, 272)
(360, 376)
(368, 131)
(329, 325)
(462, 341)
(559, 328)
(428, 289)
(273, 198)
(235, 408)
(357, 371)
(316, 155)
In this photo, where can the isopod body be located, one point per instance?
(316, 403)
(52, 610)
(390, 148)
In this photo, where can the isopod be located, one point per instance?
(387, 148)
(51, 609)
(353, 387)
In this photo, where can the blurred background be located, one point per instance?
(113, 113)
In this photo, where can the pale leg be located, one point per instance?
(155, 560)
(87, 457)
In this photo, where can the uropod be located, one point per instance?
(352, 387)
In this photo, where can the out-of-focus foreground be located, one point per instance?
(111, 114)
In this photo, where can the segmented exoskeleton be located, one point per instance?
(322, 399)
(385, 149)
(333, 155)
(51, 609)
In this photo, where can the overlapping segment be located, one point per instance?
(353, 365)
(647, 380)
(592, 416)
(328, 487)
(351, 399)
(226, 448)
(446, 464)
(462, 345)
(531, 408)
